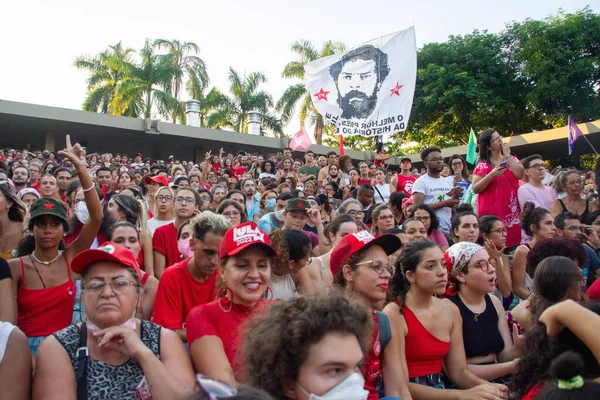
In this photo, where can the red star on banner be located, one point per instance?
(48, 206)
(322, 95)
(396, 90)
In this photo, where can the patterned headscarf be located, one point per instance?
(457, 257)
(406, 202)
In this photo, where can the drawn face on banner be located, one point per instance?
(357, 78)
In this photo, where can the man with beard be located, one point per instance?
(358, 76)
(193, 281)
(20, 176)
(440, 193)
(248, 187)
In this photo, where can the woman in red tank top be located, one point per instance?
(432, 327)
(359, 264)
(42, 280)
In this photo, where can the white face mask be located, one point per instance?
(351, 388)
(279, 215)
(81, 212)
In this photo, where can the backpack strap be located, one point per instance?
(82, 356)
(385, 331)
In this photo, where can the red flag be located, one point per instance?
(341, 145)
(300, 140)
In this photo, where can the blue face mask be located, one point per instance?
(270, 204)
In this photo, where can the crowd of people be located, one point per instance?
(264, 276)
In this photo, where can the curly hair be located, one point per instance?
(278, 342)
(540, 350)
(409, 260)
(291, 245)
(435, 221)
(568, 248)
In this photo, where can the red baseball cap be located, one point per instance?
(358, 241)
(242, 236)
(161, 180)
(109, 251)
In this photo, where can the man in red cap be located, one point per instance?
(137, 161)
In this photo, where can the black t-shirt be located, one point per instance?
(4, 270)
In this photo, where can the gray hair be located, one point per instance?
(343, 207)
(207, 221)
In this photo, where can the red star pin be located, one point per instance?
(48, 206)
(322, 95)
(396, 90)
(299, 204)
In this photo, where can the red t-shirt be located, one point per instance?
(364, 181)
(165, 242)
(224, 320)
(178, 293)
(216, 168)
(239, 171)
(405, 183)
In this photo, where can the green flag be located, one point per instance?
(472, 149)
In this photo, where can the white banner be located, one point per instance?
(368, 90)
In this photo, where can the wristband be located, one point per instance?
(90, 188)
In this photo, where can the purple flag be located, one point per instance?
(574, 134)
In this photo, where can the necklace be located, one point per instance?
(476, 316)
(46, 262)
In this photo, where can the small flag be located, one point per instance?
(574, 134)
(472, 149)
(300, 140)
(341, 145)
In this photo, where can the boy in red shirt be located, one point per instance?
(191, 282)
(403, 182)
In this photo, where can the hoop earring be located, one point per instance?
(267, 292)
(228, 293)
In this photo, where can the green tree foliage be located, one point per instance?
(297, 93)
(244, 97)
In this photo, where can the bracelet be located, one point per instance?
(90, 188)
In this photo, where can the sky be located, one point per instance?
(41, 39)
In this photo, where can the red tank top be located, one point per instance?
(372, 367)
(45, 311)
(424, 352)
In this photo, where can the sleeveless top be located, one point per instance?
(583, 216)
(6, 329)
(371, 370)
(42, 312)
(480, 332)
(283, 287)
(111, 381)
(424, 352)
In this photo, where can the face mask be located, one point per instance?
(270, 204)
(184, 247)
(279, 216)
(351, 388)
(81, 212)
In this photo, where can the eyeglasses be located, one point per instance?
(501, 231)
(213, 388)
(498, 139)
(483, 265)
(379, 269)
(435, 159)
(118, 285)
(538, 166)
(230, 214)
(188, 200)
(574, 228)
(204, 198)
(354, 213)
(423, 218)
(386, 217)
(164, 198)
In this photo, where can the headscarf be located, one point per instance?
(406, 202)
(457, 258)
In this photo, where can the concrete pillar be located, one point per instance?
(254, 122)
(50, 142)
(192, 112)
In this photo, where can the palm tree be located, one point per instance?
(212, 106)
(186, 63)
(107, 70)
(148, 85)
(245, 97)
(298, 93)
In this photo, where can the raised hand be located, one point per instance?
(74, 153)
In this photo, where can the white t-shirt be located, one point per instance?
(153, 224)
(384, 189)
(434, 190)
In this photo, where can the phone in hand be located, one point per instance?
(503, 164)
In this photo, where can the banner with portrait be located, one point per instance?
(368, 90)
